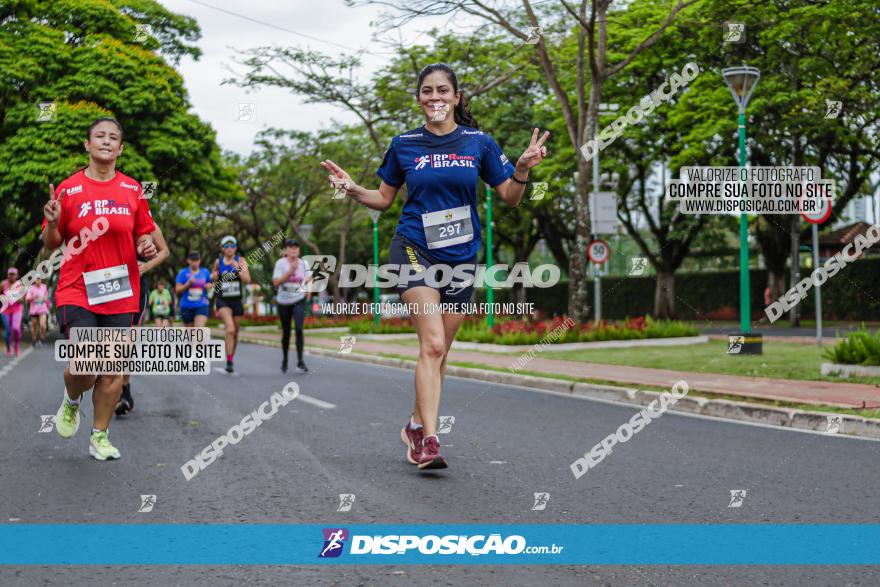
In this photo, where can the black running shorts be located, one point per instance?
(452, 289)
(78, 317)
(234, 303)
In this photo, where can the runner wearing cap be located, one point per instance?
(230, 274)
(289, 276)
(100, 216)
(440, 163)
(191, 285)
(13, 312)
(37, 298)
(126, 400)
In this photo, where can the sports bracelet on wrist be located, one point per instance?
(518, 180)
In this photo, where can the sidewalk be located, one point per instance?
(844, 395)
(830, 334)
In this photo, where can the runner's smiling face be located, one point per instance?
(292, 252)
(436, 91)
(104, 143)
(229, 250)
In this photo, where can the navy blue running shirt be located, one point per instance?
(441, 173)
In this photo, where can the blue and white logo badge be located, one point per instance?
(334, 540)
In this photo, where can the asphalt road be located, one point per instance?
(506, 444)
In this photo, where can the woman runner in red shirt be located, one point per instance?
(100, 215)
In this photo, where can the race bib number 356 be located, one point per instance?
(445, 228)
(106, 285)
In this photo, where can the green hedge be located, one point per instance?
(556, 331)
(852, 294)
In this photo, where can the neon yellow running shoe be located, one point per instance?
(100, 447)
(67, 419)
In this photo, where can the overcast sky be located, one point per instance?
(329, 21)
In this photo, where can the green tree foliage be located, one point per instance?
(89, 58)
(808, 52)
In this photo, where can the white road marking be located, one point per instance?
(7, 368)
(315, 401)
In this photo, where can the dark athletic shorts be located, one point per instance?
(188, 315)
(455, 291)
(234, 303)
(78, 317)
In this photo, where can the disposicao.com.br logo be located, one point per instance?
(494, 544)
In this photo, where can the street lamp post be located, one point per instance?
(374, 216)
(742, 81)
(490, 293)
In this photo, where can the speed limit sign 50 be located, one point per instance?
(820, 214)
(598, 251)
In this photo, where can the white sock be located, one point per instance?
(96, 430)
(70, 401)
(413, 425)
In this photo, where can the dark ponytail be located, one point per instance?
(462, 114)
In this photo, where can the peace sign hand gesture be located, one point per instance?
(52, 209)
(534, 153)
(339, 178)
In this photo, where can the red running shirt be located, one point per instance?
(83, 200)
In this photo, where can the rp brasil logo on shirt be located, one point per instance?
(444, 160)
(105, 208)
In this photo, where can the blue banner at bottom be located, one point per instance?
(482, 544)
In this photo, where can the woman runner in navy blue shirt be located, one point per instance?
(439, 233)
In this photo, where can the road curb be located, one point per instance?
(844, 371)
(720, 408)
(749, 412)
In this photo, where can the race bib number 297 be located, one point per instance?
(445, 228)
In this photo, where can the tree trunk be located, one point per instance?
(776, 282)
(664, 295)
(578, 287)
(775, 242)
(518, 294)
